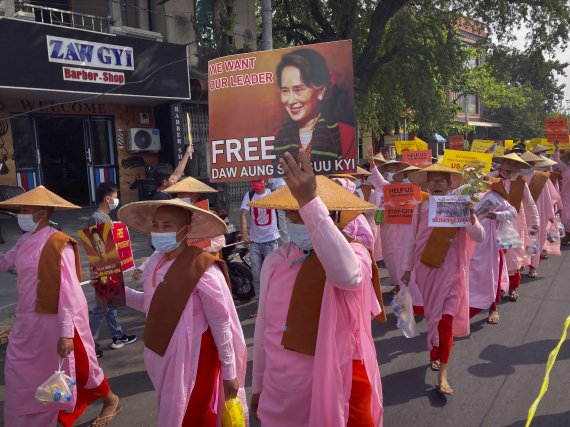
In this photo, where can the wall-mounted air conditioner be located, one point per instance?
(141, 139)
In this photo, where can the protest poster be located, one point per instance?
(261, 105)
(449, 211)
(509, 143)
(421, 144)
(402, 146)
(457, 142)
(457, 159)
(201, 243)
(482, 145)
(556, 130)
(499, 150)
(421, 158)
(123, 244)
(400, 201)
(487, 204)
(105, 263)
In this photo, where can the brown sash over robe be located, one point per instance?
(554, 177)
(366, 191)
(537, 184)
(305, 306)
(515, 194)
(437, 245)
(49, 271)
(172, 294)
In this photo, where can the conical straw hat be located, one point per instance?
(190, 185)
(379, 158)
(39, 196)
(529, 156)
(511, 156)
(540, 149)
(398, 176)
(333, 196)
(361, 172)
(421, 177)
(401, 165)
(342, 175)
(544, 163)
(139, 215)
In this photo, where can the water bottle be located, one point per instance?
(561, 228)
(531, 247)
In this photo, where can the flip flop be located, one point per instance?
(494, 318)
(533, 274)
(513, 296)
(435, 365)
(444, 391)
(103, 421)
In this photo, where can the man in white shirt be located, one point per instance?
(263, 234)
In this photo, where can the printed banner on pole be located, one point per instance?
(420, 158)
(105, 264)
(556, 130)
(402, 146)
(482, 145)
(400, 201)
(449, 211)
(457, 142)
(263, 104)
(457, 159)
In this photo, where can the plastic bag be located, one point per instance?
(508, 236)
(57, 388)
(232, 415)
(561, 228)
(552, 244)
(531, 247)
(404, 310)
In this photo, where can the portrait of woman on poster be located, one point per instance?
(308, 94)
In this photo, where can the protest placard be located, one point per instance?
(421, 144)
(449, 211)
(400, 201)
(420, 158)
(457, 159)
(261, 105)
(509, 143)
(482, 145)
(105, 263)
(556, 130)
(457, 142)
(123, 244)
(402, 146)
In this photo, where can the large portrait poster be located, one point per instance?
(263, 104)
(105, 263)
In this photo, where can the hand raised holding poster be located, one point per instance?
(264, 104)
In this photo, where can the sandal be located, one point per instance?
(494, 318)
(532, 273)
(443, 390)
(253, 315)
(513, 296)
(544, 256)
(103, 421)
(435, 365)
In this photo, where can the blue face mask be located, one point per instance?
(300, 236)
(164, 242)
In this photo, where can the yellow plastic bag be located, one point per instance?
(232, 416)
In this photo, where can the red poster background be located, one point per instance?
(421, 158)
(400, 201)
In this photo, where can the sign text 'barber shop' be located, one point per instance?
(89, 54)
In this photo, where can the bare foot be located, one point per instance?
(494, 317)
(111, 407)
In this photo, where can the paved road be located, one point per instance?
(496, 372)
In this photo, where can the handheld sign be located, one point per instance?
(449, 211)
(420, 158)
(457, 159)
(402, 146)
(482, 145)
(556, 130)
(400, 201)
(457, 142)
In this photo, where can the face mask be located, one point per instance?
(114, 204)
(26, 222)
(300, 236)
(164, 242)
(526, 171)
(406, 181)
(258, 186)
(390, 176)
(358, 183)
(186, 200)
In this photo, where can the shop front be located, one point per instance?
(76, 107)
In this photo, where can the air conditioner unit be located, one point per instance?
(141, 139)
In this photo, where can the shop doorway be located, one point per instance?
(61, 142)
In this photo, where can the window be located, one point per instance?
(101, 141)
(472, 104)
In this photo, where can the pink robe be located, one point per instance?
(564, 169)
(548, 203)
(174, 374)
(32, 356)
(484, 267)
(377, 198)
(444, 289)
(301, 390)
(526, 218)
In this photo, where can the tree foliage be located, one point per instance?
(408, 53)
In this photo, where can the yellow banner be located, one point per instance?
(421, 144)
(499, 150)
(405, 146)
(509, 143)
(544, 141)
(457, 159)
(481, 145)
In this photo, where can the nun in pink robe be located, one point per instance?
(313, 391)
(564, 169)
(174, 374)
(31, 357)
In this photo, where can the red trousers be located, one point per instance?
(360, 397)
(418, 310)
(445, 330)
(85, 396)
(514, 281)
(199, 411)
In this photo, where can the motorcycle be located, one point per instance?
(236, 256)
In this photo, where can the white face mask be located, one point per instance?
(406, 181)
(358, 183)
(186, 200)
(390, 176)
(114, 204)
(299, 235)
(26, 222)
(165, 242)
(525, 171)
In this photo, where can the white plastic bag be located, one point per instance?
(508, 236)
(404, 310)
(57, 388)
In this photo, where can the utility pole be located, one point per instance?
(266, 25)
